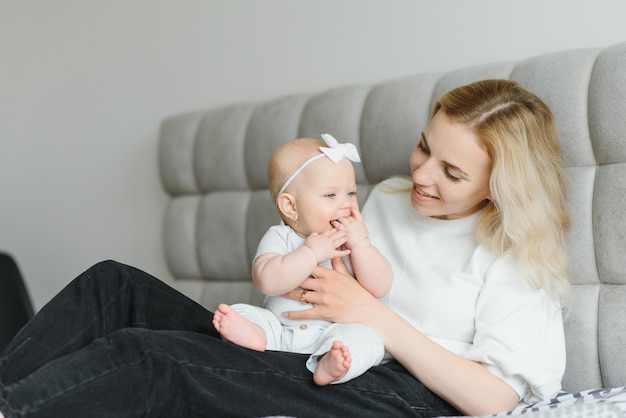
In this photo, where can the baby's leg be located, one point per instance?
(237, 329)
(333, 365)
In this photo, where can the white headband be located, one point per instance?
(336, 152)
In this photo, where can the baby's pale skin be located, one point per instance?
(238, 330)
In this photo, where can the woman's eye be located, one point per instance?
(422, 147)
(451, 177)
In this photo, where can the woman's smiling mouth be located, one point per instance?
(422, 193)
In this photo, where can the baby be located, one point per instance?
(314, 187)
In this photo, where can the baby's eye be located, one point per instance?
(330, 195)
(352, 194)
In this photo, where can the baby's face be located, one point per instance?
(324, 192)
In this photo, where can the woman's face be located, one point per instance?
(450, 171)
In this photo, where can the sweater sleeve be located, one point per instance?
(519, 333)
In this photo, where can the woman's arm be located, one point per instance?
(465, 384)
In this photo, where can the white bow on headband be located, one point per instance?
(335, 152)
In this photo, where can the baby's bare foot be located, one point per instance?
(333, 365)
(237, 329)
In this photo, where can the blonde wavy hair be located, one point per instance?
(527, 215)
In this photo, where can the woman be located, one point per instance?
(473, 318)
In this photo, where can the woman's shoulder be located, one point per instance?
(504, 275)
(503, 265)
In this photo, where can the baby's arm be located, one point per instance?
(277, 274)
(371, 268)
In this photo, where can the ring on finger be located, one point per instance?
(303, 297)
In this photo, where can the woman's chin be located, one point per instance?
(421, 207)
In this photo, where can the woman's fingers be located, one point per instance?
(303, 314)
(339, 265)
(302, 294)
(332, 293)
(294, 294)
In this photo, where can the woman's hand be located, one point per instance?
(336, 296)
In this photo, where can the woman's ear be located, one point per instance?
(287, 206)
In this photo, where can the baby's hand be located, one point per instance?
(327, 245)
(353, 226)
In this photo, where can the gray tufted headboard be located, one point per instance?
(213, 165)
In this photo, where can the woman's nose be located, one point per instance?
(424, 172)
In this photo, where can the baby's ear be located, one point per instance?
(287, 206)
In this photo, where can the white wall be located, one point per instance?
(84, 85)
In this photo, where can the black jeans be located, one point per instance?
(15, 306)
(117, 342)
